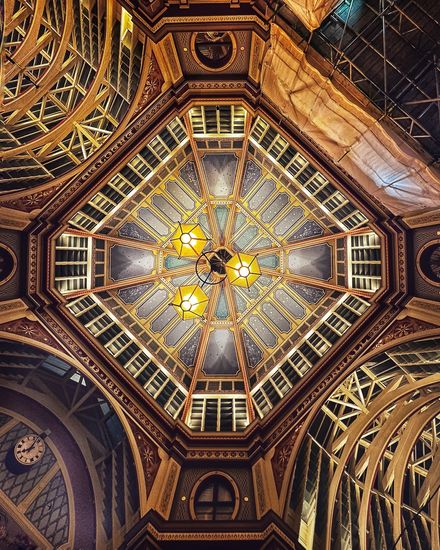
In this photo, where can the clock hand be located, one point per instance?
(33, 445)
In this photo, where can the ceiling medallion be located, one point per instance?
(240, 269)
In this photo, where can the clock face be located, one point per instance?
(29, 449)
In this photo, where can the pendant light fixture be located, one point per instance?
(190, 301)
(189, 240)
(243, 270)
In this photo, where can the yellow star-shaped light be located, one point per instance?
(189, 239)
(190, 301)
(243, 270)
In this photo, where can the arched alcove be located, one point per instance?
(83, 492)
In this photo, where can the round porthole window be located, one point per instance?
(214, 498)
(8, 263)
(428, 262)
(213, 50)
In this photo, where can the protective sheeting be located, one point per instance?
(370, 151)
(311, 12)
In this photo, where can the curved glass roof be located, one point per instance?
(368, 457)
(71, 76)
(252, 191)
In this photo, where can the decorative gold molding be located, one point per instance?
(166, 500)
(256, 57)
(220, 535)
(13, 219)
(426, 310)
(169, 58)
(259, 488)
(201, 19)
(423, 219)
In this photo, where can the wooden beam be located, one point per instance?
(122, 241)
(203, 344)
(203, 184)
(237, 184)
(125, 283)
(239, 346)
(317, 283)
(311, 241)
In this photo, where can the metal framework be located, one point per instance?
(366, 474)
(390, 51)
(71, 73)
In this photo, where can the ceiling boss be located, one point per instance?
(213, 266)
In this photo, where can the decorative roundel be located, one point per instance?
(213, 50)
(8, 263)
(215, 496)
(428, 262)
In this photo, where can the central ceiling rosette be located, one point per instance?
(218, 266)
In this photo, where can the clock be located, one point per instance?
(29, 449)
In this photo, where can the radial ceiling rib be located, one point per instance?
(310, 241)
(318, 283)
(203, 344)
(124, 283)
(240, 348)
(238, 183)
(203, 183)
(432, 480)
(122, 241)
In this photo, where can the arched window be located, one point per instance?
(429, 262)
(215, 498)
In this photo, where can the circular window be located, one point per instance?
(8, 263)
(214, 497)
(213, 50)
(428, 262)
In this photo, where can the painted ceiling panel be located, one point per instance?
(312, 261)
(220, 173)
(126, 262)
(133, 230)
(221, 357)
(132, 294)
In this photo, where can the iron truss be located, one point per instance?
(390, 50)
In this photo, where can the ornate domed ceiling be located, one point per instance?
(219, 260)
(252, 191)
